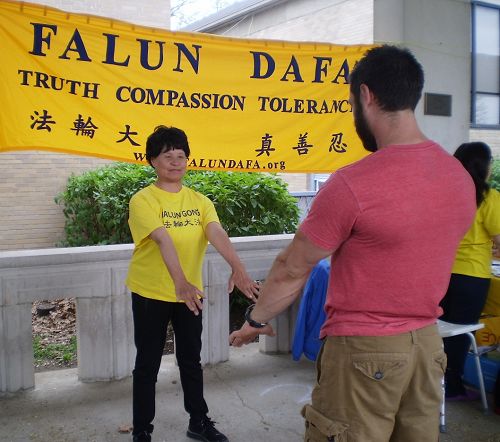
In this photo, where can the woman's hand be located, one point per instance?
(184, 290)
(247, 285)
(190, 294)
(239, 277)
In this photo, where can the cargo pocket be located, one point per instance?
(380, 366)
(439, 357)
(319, 428)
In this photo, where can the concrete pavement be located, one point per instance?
(253, 396)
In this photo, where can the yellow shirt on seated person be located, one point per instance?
(474, 252)
(185, 215)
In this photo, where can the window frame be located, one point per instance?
(474, 91)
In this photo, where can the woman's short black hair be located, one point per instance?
(164, 139)
(476, 158)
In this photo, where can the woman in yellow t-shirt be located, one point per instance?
(171, 226)
(471, 273)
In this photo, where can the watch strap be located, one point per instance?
(250, 321)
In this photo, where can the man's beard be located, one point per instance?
(362, 129)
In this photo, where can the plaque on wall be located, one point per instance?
(437, 104)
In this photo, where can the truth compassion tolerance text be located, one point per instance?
(181, 99)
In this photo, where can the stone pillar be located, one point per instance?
(94, 345)
(284, 326)
(122, 323)
(215, 344)
(105, 332)
(16, 348)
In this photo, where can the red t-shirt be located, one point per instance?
(394, 220)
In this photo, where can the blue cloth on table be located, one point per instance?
(311, 315)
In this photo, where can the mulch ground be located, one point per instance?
(56, 327)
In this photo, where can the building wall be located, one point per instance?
(332, 21)
(29, 217)
(488, 136)
(30, 180)
(438, 33)
(154, 13)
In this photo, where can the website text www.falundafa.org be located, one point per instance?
(224, 163)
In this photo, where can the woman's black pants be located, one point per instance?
(151, 319)
(462, 304)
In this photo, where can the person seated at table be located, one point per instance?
(471, 273)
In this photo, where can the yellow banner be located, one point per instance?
(93, 86)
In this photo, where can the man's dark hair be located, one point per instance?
(476, 158)
(164, 139)
(394, 76)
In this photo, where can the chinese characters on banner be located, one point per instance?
(94, 86)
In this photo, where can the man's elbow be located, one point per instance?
(294, 270)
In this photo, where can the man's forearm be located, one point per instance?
(282, 286)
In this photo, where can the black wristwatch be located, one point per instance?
(250, 321)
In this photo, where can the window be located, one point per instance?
(318, 180)
(485, 64)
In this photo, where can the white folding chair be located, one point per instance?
(447, 330)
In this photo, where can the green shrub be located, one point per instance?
(495, 175)
(95, 204)
(248, 204)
